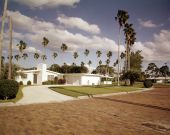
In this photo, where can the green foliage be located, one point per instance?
(132, 76)
(8, 89)
(28, 82)
(148, 83)
(21, 83)
(164, 70)
(136, 60)
(49, 82)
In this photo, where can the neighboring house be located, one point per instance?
(160, 79)
(41, 74)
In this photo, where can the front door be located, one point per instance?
(35, 78)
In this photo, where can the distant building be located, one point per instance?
(160, 79)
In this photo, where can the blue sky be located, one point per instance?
(88, 24)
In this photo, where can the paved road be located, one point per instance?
(40, 94)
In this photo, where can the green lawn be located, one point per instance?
(18, 96)
(76, 91)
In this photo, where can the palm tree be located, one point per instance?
(17, 57)
(100, 63)
(82, 64)
(25, 55)
(64, 47)
(55, 55)
(129, 33)
(75, 55)
(109, 54)
(122, 56)
(121, 18)
(89, 63)
(44, 43)
(86, 52)
(36, 56)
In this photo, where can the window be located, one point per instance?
(24, 76)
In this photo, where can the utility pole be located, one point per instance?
(10, 49)
(2, 33)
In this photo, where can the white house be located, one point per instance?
(160, 79)
(37, 76)
(41, 74)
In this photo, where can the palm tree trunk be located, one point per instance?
(118, 57)
(2, 32)
(128, 59)
(10, 49)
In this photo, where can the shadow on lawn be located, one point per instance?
(133, 103)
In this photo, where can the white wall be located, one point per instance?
(73, 80)
(90, 80)
(30, 77)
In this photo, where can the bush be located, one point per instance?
(49, 82)
(148, 83)
(61, 81)
(21, 83)
(8, 89)
(29, 83)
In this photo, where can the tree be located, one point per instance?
(152, 70)
(36, 56)
(64, 47)
(17, 57)
(129, 33)
(25, 55)
(55, 55)
(89, 63)
(82, 64)
(122, 56)
(44, 43)
(132, 76)
(136, 61)
(109, 54)
(164, 71)
(121, 18)
(86, 52)
(55, 68)
(75, 55)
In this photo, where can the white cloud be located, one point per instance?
(47, 3)
(148, 23)
(75, 22)
(158, 49)
(35, 29)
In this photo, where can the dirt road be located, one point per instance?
(146, 113)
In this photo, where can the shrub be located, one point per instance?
(21, 83)
(49, 82)
(61, 81)
(148, 83)
(29, 83)
(8, 89)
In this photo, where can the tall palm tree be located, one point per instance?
(75, 55)
(122, 18)
(109, 54)
(21, 46)
(64, 47)
(86, 52)
(98, 53)
(130, 38)
(55, 55)
(100, 63)
(44, 43)
(122, 56)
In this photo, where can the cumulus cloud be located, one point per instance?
(158, 49)
(148, 23)
(35, 29)
(75, 22)
(47, 3)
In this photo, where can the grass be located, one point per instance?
(76, 91)
(18, 96)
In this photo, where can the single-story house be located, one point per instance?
(160, 79)
(41, 74)
(37, 76)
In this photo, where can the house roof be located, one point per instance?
(27, 71)
(83, 74)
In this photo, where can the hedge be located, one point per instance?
(8, 89)
(148, 83)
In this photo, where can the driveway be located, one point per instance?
(39, 94)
